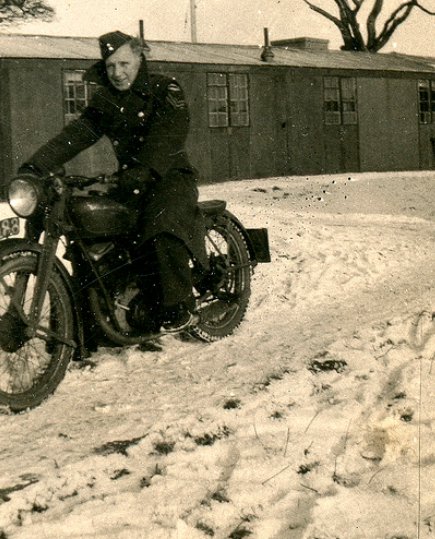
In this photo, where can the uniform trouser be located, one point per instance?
(166, 278)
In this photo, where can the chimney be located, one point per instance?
(267, 53)
(193, 32)
(304, 43)
(142, 36)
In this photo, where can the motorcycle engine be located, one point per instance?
(132, 308)
(124, 301)
(117, 273)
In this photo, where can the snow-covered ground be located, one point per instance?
(316, 420)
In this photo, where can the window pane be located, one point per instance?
(332, 118)
(349, 106)
(332, 106)
(80, 91)
(76, 93)
(216, 79)
(217, 96)
(348, 89)
(350, 118)
(239, 99)
(424, 104)
(331, 94)
(331, 101)
(348, 100)
(330, 82)
(424, 101)
(69, 92)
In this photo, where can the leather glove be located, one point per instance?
(29, 169)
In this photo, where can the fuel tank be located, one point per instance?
(99, 216)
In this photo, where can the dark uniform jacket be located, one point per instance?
(147, 126)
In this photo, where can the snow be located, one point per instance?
(315, 420)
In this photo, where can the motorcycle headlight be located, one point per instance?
(23, 196)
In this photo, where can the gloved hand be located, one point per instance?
(31, 170)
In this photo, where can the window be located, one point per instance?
(426, 101)
(239, 100)
(217, 100)
(77, 93)
(228, 99)
(339, 101)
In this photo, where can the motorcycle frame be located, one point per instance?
(57, 224)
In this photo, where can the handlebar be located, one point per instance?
(81, 182)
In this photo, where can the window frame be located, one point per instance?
(234, 110)
(426, 117)
(340, 103)
(78, 102)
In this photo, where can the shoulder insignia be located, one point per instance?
(175, 96)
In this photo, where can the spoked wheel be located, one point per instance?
(223, 295)
(31, 367)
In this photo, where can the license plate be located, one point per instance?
(9, 227)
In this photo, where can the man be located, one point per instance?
(146, 119)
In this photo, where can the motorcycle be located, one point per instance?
(80, 273)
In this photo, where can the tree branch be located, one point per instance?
(348, 17)
(352, 38)
(347, 23)
(419, 6)
(371, 23)
(318, 9)
(396, 18)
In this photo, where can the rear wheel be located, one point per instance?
(223, 294)
(31, 367)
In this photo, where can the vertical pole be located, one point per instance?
(142, 36)
(141, 32)
(193, 34)
(266, 37)
(267, 53)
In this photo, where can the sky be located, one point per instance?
(220, 21)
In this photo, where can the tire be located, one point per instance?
(32, 368)
(228, 283)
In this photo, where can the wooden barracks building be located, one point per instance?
(296, 108)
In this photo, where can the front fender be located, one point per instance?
(10, 246)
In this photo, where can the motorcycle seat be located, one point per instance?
(212, 207)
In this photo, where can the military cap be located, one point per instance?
(111, 42)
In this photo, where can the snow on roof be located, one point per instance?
(86, 48)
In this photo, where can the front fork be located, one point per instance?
(46, 260)
(45, 267)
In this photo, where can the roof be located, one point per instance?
(86, 48)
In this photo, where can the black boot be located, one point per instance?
(178, 318)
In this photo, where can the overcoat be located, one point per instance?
(147, 126)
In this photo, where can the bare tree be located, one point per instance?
(15, 11)
(346, 20)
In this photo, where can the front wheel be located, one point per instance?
(31, 366)
(224, 292)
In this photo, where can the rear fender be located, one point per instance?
(10, 246)
(257, 240)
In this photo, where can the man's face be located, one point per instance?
(122, 67)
